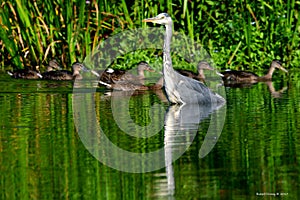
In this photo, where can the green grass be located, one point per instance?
(237, 34)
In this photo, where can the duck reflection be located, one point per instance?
(272, 90)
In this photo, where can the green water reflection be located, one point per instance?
(42, 156)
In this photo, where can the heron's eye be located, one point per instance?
(162, 17)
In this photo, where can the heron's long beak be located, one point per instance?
(152, 19)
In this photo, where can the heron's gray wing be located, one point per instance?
(194, 91)
(191, 91)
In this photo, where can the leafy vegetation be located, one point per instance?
(237, 34)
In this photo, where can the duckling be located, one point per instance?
(65, 74)
(250, 77)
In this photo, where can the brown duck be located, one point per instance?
(112, 76)
(250, 77)
(65, 74)
(202, 65)
(25, 74)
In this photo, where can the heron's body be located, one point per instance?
(181, 89)
(250, 77)
(65, 74)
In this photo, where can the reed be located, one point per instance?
(34, 32)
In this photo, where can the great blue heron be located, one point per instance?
(181, 89)
(65, 74)
(250, 77)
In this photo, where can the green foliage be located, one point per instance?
(237, 34)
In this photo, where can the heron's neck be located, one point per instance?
(167, 46)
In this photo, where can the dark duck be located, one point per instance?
(65, 74)
(250, 77)
(25, 74)
(112, 76)
(202, 65)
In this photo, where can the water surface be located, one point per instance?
(43, 157)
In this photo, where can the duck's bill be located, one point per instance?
(150, 69)
(283, 69)
(83, 68)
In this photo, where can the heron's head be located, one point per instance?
(204, 65)
(277, 64)
(143, 66)
(162, 18)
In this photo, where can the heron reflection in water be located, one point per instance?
(181, 89)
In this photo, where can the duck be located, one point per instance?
(250, 77)
(65, 74)
(127, 85)
(25, 74)
(202, 65)
(52, 66)
(112, 76)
